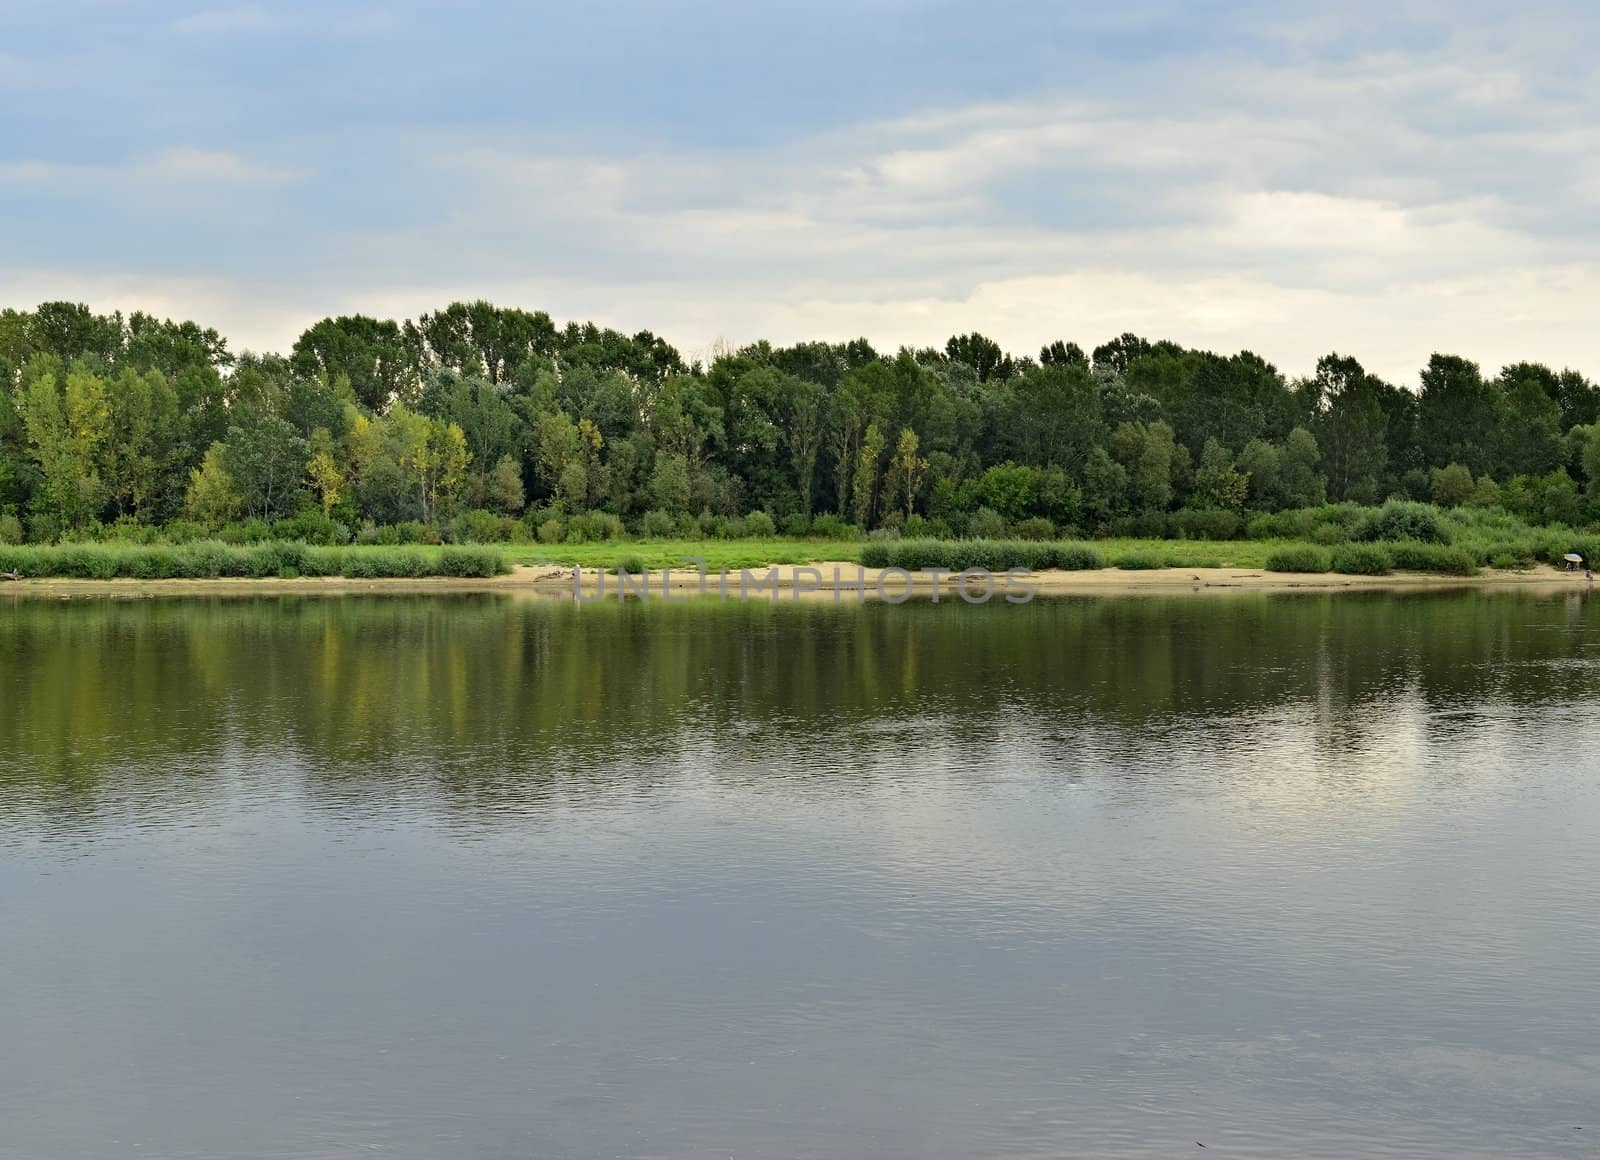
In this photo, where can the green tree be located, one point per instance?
(374, 356)
(1105, 487)
(1217, 483)
(1300, 484)
(267, 460)
(866, 474)
(212, 498)
(910, 468)
(139, 449)
(503, 488)
(1452, 485)
(66, 428)
(323, 470)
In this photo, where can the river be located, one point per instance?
(485, 877)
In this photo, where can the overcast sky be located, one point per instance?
(1384, 179)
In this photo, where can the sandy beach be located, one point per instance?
(826, 580)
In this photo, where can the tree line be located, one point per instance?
(498, 416)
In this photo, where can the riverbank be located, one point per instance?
(842, 581)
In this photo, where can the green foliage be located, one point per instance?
(10, 529)
(472, 413)
(1404, 520)
(1299, 558)
(994, 555)
(658, 525)
(1207, 524)
(1452, 485)
(211, 559)
(1362, 560)
(986, 524)
(1412, 556)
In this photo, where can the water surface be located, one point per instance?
(481, 877)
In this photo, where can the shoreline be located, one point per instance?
(794, 582)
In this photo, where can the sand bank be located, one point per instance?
(827, 581)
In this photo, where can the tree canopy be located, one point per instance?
(477, 408)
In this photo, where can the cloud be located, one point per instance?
(243, 18)
(170, 169)
(1390, 182)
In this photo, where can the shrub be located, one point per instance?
(830, 527)
(1330, 534)
(474, 561)
(986, 524)
(634, 565)
(879, 554)
(312, 527)
(1207, 524)
(656, 525)
(552, 531)
(10, 529)
(1403, 520)
(1412, 556)
(995, 555)
(1140, 561)
(758, 525)
(248, 532)
(799, 524)
(1299, 558)
(1068, 557)
(1362, 560)
(480, 527)
(1035, 528)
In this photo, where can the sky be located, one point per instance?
(1381, 179)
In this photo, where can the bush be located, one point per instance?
(1362, 560)
(758, 525)
(1140, 561)
(208, 559)
(10, 529)
(1035, 528)
(986, 524)
(248, 532)
(311, 527)
(799, 524)
(1207, 524)
(1412, 556)
(1299, 558)
(830, 527)
(656, 525)
(1403, 520)
(471, 562)
(482, 527)
(995, 555)
(552, 531)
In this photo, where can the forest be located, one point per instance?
(481, 423)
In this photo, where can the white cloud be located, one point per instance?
(241, 18)
(1390, 203)
(169, 170)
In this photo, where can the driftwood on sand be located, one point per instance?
(10, 575)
